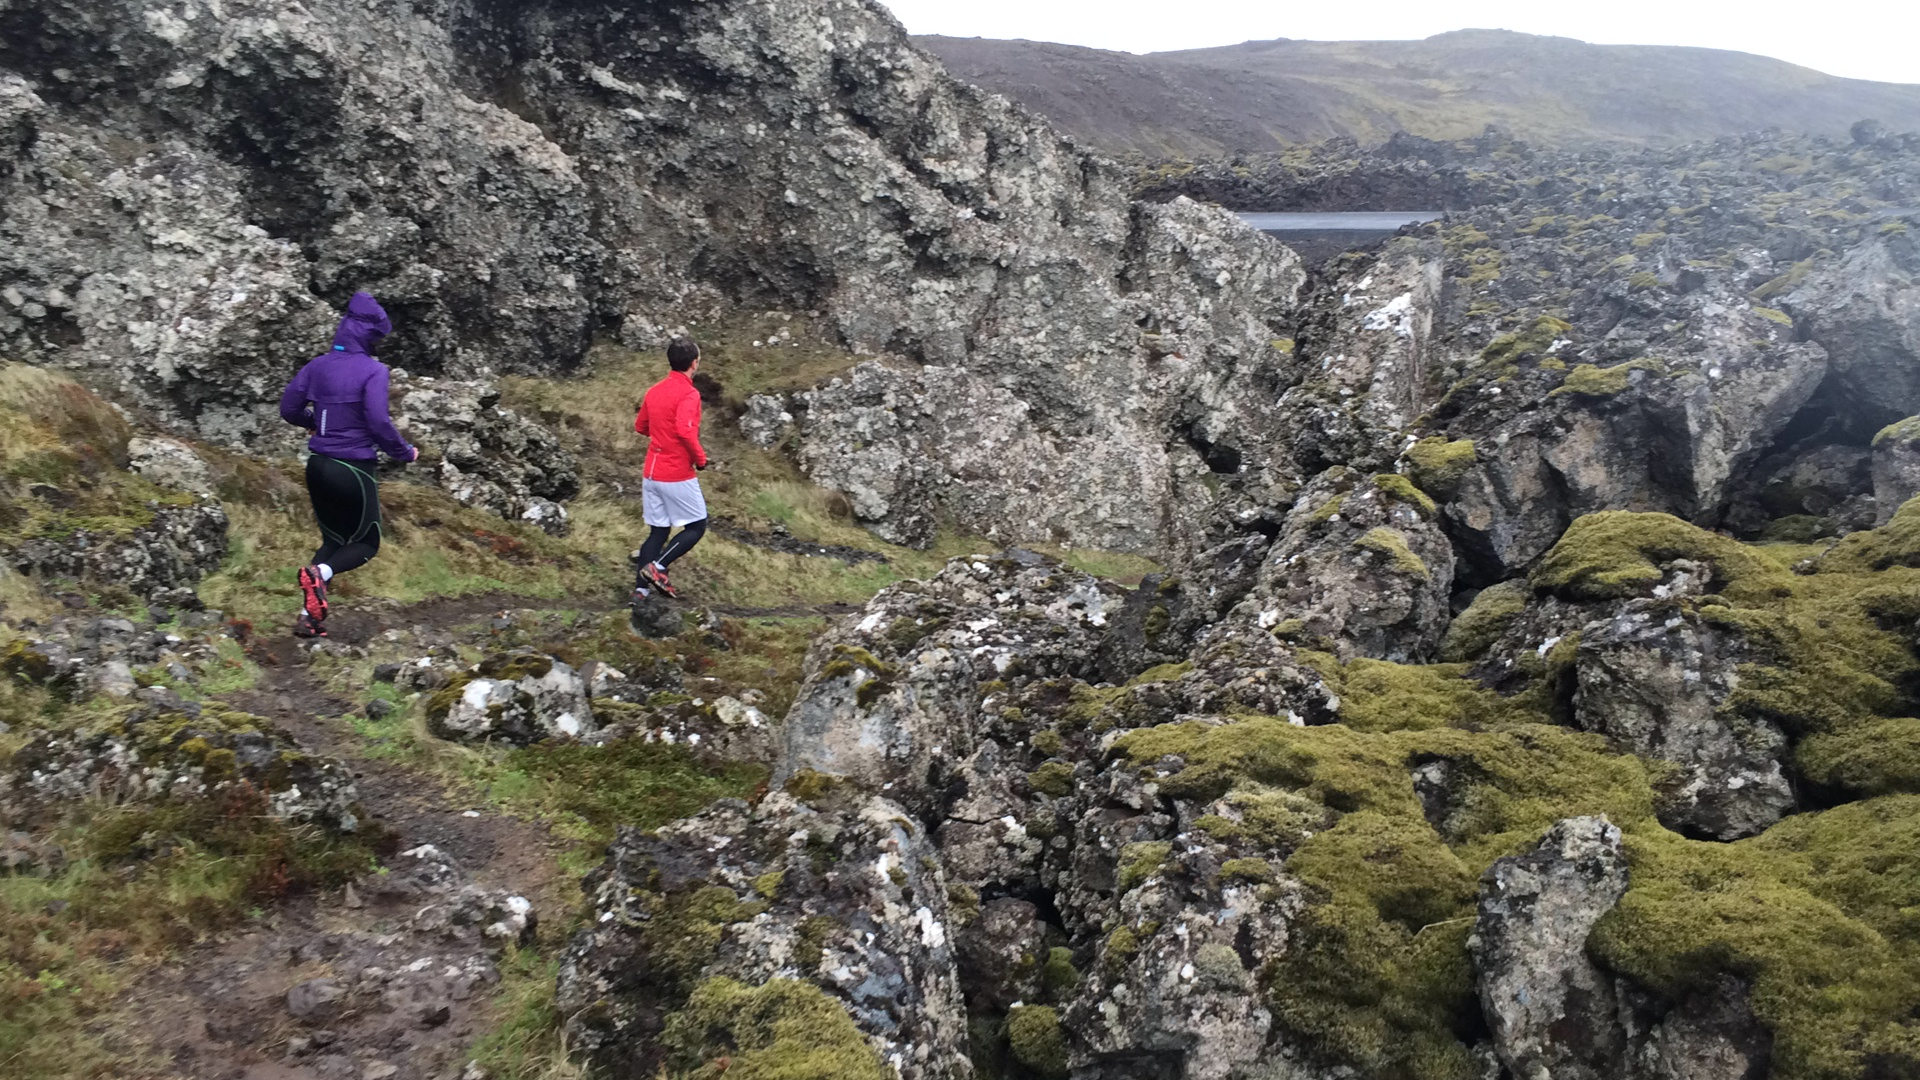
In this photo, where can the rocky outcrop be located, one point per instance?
(1362, 563)
(1865, 311)
(1134, 425)
(512, 182)
(890, 700)
(849, 900)
(490, 457)
(1896, 468)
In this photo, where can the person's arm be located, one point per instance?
(686, 425)
(295, 407)
(640, 418)
(380, 420)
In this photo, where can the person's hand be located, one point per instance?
(416, 454)
(702, 467)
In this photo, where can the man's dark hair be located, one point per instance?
(682, 353)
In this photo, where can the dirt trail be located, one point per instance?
(222, 1010)
(413, 1002)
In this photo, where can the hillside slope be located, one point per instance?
(1252, 96)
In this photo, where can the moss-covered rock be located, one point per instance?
(1391, 546)
(1438, 465)
(155, 755)
(1474, 630)
(1598, 382)
(1618, 553)
(1037, 1040)
(781, 1030)
(1897, 543)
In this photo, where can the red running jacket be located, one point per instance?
(670, 419)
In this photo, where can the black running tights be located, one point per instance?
(346, 502)
(658, 550)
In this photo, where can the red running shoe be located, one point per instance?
(313, 592)
(656, 575)
(305, 625)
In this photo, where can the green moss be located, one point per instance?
(1642, 280)
(1328, 510)
(1255, 870)
(1390, 862)
(1391, 545)
(870, 691)
(1376, 976)
(846, 660)
(1590, 381)
(1047, 742)
(1901, 431)
(1376, 695)
(1399, 489)
(1506, 350)
(1122, 944)
(1474, 630)
(907, 632)
(1058, 977)
(1037, 1041)
(1162, 673)
(512, 667)
(1439, 465)
(1271, 818)
(1617, 553)
(768, 884)
(783, 1030)
(1796, 529)
(1053, 778)
(1897, 543)
(1784, 282)
(1817, 913)
(1873, 757)
(811, 938)
(1773, 315)
(1142, 860)
(1156, 621)
(809, 786)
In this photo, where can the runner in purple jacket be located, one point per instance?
(341, 396)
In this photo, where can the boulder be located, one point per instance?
(1654, 679)
(1551, 1010)
(889, 700)
(514, 698)
(169, 463)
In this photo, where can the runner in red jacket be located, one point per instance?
(670, 494)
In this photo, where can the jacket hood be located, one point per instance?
(365, 324)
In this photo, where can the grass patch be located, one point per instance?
(589, 790)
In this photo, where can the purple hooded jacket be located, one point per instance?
(341, 396)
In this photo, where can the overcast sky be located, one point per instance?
(1861, 39)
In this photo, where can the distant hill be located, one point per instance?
(1549, 90)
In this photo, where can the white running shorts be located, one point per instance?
(676, 504)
